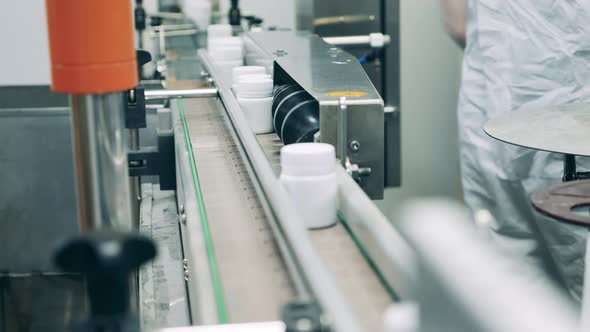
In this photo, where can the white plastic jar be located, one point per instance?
(220, 43)
(216, 31)
(248, 78)
(246, 70)
(200, 12)
(238, 72)
(255, 98)
(308, 173)
(226, 59)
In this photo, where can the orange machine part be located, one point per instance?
(92, 46)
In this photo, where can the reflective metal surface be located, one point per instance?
(37, 191)
(181, 93)
(328, 73)
(354, 40)
(100, 142)
(562, 129)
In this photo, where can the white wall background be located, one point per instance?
(24, 52)
(430, 79)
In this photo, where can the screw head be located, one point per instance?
(181, 208)
(280, 52)
(355, 146)
(183, 218)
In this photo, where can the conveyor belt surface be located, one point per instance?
(253, 276)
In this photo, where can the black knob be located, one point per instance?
(140, 17)
(235, 17)
(143, 57)
(107, 260)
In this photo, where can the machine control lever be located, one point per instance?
(107, 260)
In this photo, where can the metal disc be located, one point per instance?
(560, 202)
(562, 129)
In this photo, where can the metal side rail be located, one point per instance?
(320, 278)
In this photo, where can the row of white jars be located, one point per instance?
(308, 170)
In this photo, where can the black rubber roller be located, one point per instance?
(296, 115)
(280, 92)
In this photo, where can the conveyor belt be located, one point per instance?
(354, 274)
(246, 252)
(253, 276)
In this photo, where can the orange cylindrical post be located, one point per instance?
(92, 46)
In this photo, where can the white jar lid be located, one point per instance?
(225, 41)
(226, 53)
(219, 30)
(252, 77)
(246, 70)
(308, 159)
(402, 317)
(254, 88)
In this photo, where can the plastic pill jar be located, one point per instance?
(255, 98)
(225, 42)
(226, 59)
(242, 71)
(308, 173)
(247, 70)
(215, 31)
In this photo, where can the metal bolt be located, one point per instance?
(183, 218)
(186, 276)
(204, 74)
(280, 52)
(355, 146)
(181, 208)
(185, 261)
(303, 325)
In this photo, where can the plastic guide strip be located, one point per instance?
(219, 296)
(369, 260)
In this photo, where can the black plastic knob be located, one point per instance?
(143, 57)
(106, 259)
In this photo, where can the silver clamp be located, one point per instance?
(356, 172)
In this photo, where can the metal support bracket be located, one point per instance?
(569, 170)
(135, 116)
(303, 316)
(160, 161)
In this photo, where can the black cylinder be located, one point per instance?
(296, 115)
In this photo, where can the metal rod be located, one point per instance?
(183, 93)
(172, 27)
(100, 153)
(355, 40)
(585, 312)
(569, 168)
(169, 15)
(342, 131)
(175, 33)
(134, 181)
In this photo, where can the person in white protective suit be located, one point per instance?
(521, 55)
